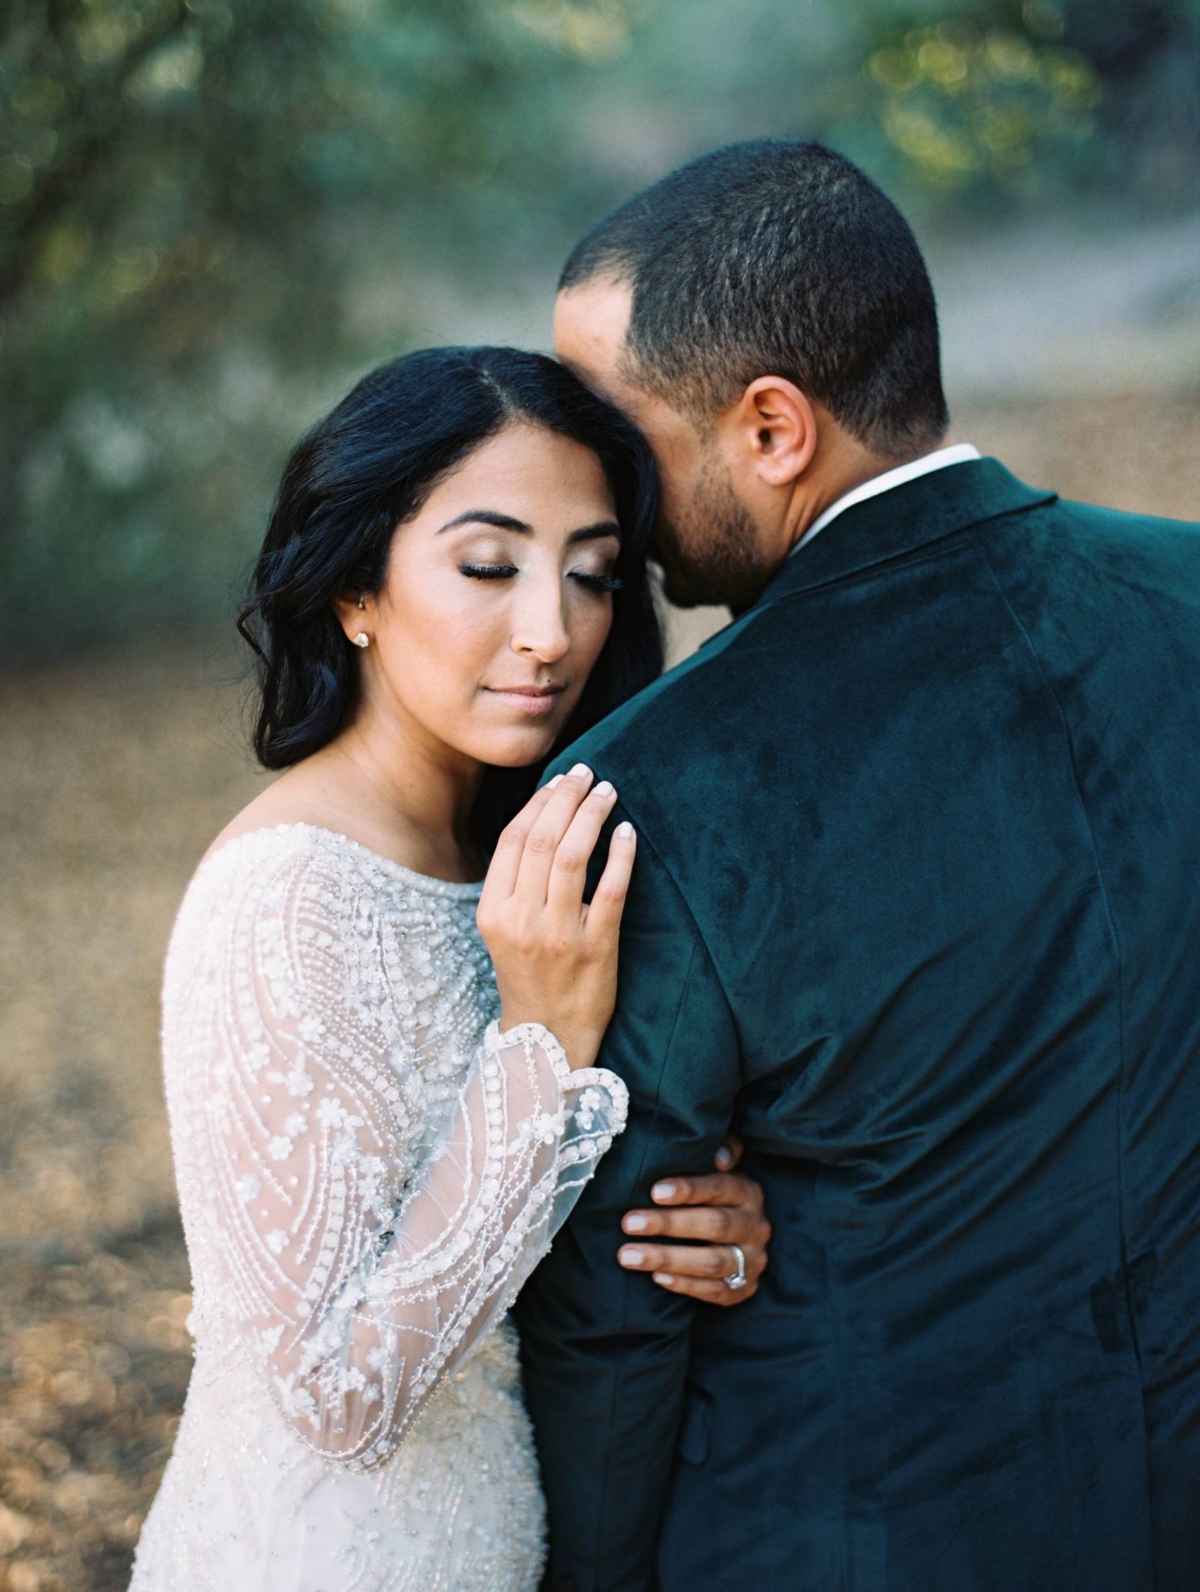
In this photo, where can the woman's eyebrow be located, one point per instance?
(502, 522)
(591, 533)
(506, 522)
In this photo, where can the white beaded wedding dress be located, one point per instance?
(367, 1172)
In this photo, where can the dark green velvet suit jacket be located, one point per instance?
(916, 909)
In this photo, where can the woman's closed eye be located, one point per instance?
(488, 571)
(588, 578)
(597, 582)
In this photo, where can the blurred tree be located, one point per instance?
(1022, 96)
(211, 211)
(184, 186)
(146, 139)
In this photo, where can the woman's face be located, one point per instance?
(494, 609)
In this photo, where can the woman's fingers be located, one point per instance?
(549, 968)
(545, 835)
(510, 848)
(603, 918)
(564, 893)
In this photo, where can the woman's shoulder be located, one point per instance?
(291, 826)
(274, 812)
(305, 909)
(300, 865)
(280, 833)
(275, 902)
(256, 870)
(249, 855)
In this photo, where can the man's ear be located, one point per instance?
(773, 430)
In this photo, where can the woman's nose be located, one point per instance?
(541, 626)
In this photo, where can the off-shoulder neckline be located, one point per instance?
(468, 889)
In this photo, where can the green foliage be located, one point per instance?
(1021, 96)
(191, 193)
(150, 141)
(214, 212)
(962, 99)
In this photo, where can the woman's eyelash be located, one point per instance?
(601, 582)
(506, 571)
(488, 571)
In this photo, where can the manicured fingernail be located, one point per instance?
(604, 788)
(630, 1257)
(663, 1191)
(724, 1159)
(625, 831)
(636, 1224)
(551, 783)
(665, 1278)
(581, 768)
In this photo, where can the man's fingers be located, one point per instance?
(698, 1260)
(713, 1188)
(710, 1293)
(730, 1153)
(608, 900)
(736, 1224)
(545, 835)
(697, 1270)
(506, 859)
(564, 893)
(715, 1211)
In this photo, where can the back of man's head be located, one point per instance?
(781, 258)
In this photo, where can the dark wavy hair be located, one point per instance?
(366, 469)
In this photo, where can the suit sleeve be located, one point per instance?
(605, 1351)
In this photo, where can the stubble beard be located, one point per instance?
(710, 555)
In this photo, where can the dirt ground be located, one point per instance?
(115, 776)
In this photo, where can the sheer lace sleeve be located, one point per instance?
(361, 1264)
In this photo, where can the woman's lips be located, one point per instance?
(535, 703)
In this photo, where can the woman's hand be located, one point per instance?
(721, 1208)
(555, 958)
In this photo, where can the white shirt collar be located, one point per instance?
(957, 453)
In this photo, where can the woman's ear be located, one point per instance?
(355, 613)
(773, 430)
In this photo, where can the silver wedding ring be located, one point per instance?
(737, 1279)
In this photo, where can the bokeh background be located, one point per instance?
(214, 214)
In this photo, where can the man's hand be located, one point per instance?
(716, 1210)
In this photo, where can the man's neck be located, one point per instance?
(886, 473)
(847, 465)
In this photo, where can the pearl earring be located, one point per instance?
(362, 639)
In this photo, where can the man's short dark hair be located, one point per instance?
(784, 259)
